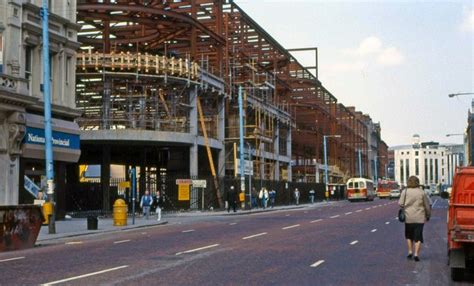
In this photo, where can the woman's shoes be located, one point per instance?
(417, 258)
(409, 256)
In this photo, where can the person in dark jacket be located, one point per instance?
(254, 198)
(232, 199)
(417, 208)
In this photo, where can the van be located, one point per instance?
(461, 223)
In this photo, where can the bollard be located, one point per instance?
(47, 212)
(120, 213)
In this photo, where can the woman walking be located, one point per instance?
(417, 211)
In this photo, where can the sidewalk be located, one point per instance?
(78, 226)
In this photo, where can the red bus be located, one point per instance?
(384, 188)
(360, 189)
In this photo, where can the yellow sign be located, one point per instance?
(183, 192)
(125, 184)
(284, 174)
(242, 197)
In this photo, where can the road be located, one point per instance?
(340, 243)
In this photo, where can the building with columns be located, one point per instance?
(21, 98)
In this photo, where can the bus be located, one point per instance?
(384, 188)
(360, 189)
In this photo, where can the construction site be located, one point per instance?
(157, 83)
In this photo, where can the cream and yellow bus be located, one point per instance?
(360, 189)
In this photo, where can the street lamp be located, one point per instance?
(455, 134)
(249, 149)
(376, 170)
(326, 157)
(460, 93)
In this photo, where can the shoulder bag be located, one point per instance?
(401, 211)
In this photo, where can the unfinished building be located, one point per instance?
(157, 83)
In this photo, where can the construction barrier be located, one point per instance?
(19, 226)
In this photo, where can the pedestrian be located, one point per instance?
(254, 198)
(232, 199)
(416, 206)
(272, 195)
(296, 195)
(159, 205)
(263, 196)
(311, 196)
(145, 204)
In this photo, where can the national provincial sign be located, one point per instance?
(60, 139)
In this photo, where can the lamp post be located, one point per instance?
(249, 150)
(326, 157)
(376, 170)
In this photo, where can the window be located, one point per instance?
(407, 166)
(68, 65)
(426, 171)
(417, 167)
(361, 185)
(416, 153)
(435, 152)
(424, 152)
(356, 185)
(28, 64)
(351, 185)
(442, 153)
(442, 172)
(408, 153)
(402, 153)
(431, 170)
(401, 171)
(436, 170)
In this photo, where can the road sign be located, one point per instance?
(184, 182)
(199, 183)
(248, 167)
(183, 192)
(125, 184)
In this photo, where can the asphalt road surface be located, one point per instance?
(340, 243)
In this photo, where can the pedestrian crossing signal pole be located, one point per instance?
(48, 133)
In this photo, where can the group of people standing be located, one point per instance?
(147, 202)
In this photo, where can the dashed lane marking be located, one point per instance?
(348, 213)
(121, 241)
(291, 226)
(354, 242)
(287, 215)
(232, 223)
(12, 259)
(373, 230)
(334, 216)
(255, 235)
(189, 230)
(85, 275)
(317, 263)
(197, 249)
(387, 222)
(367, 208)
(313, 221)
(73, 242)
(358, 211)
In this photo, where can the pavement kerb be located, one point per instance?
(98, 232)
(250, 212)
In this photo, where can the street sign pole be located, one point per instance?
(134, 185)
(241, 145)
(48, 133)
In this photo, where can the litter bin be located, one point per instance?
(92, 222)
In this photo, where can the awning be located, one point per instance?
(66, 139)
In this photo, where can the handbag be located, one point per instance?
(401, 211)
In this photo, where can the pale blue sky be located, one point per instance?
(396, 60)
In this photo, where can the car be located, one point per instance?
(395, 194)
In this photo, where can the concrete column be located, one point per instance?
(142, 181)
(9, 178)
(193, 130)
(276, 151)
(221, 137)
(105, 178)
(288, 152)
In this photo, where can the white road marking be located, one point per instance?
(121, 241)
(189, 230)
(373, 230)
(367, 208)
(291, 226)
(335, 216)
(313, 221)
(434, 203)
(348, 213)
(317, 263)
(354, 242)
(232, 223)
(387, 222)
(143, 232)
(197, 249)
(85, 275)
(358, 211)
(11, 259)
(255, 235)
(73, 242)
(287, 215)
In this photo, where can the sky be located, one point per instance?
(394, 60)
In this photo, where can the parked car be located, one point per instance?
(395, 194)
(461, 223)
